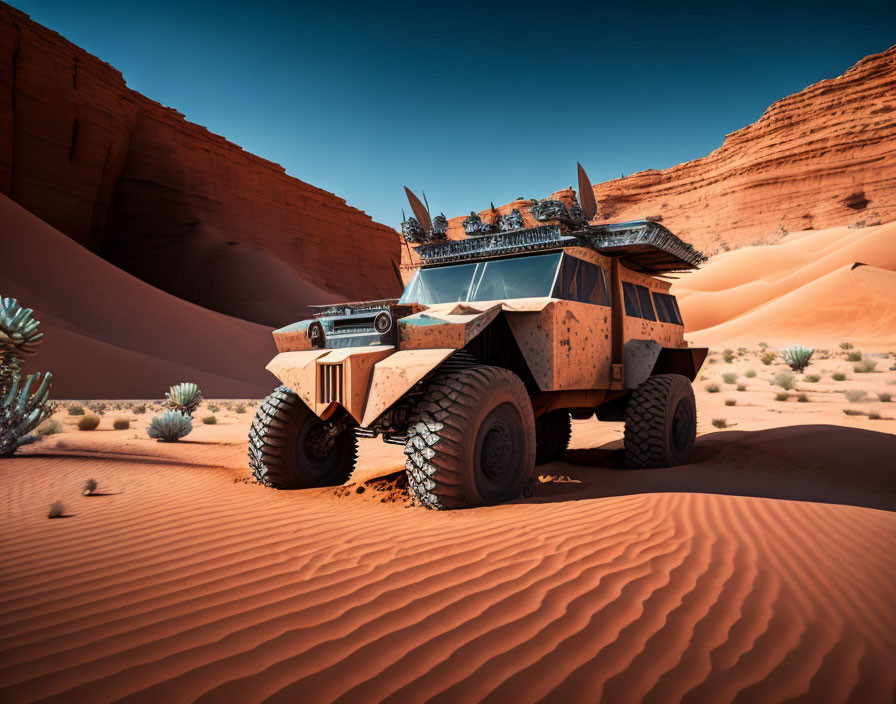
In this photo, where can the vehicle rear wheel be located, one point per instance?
(552, 433)
(471, 441)
(661, 422)
(290, 447)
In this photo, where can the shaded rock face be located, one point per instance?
(823, 157)
(165, 199)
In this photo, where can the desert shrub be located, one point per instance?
(853, 412)
(741, 387)
(838, 376)
(712, 388)
(763, 345)
(767, 357)
(184, 397)
(21, 409)
(213, 407)
(854, 357)
(729, 378)
(797, 357)
(97, 407)
(209, 420)
(711, 360)
(720, 422)
(812, 377)
(121, 424)
(171, 426)
(57, 510)
(89, 487)
(865, 366)
(782, 396)
(51, 427)
(239, 408)
(88, 422)
(139, 408)
(802, 398)
(730, 402)
(728, 356)
(76, 410)
(885, 396)
(784, 379)
(874, 415)
(854, 395)
(750, 373)
(846, 345)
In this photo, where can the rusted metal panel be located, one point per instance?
(533, 332)
(322, 377)
(395, 374)
(356, 365)
(293, 337)
(566, 345)
(581, 346)
(436, 329)
(298, 370)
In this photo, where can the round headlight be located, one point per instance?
(382, 323)
(316, 334)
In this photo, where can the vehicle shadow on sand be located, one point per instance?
(818, 463)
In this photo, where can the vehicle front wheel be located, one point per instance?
(661, 422)
(471, 441)
(291, 448)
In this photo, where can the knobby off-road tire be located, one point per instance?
(471, 441)
(552, 433)
(661, 422)
(282, 451)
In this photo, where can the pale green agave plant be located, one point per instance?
(21, 410)
(171, 426)
(184, 397)
(797, 357)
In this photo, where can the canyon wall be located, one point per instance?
(823, 157)
(167, 200)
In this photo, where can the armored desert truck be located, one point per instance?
(497, 341)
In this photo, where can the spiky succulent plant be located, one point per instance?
(21, 410)
(184, 397)
(797, 357)
(171, 426)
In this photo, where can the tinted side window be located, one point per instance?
(646, 306)
(583, 281)
(666, 308)
(632, 304)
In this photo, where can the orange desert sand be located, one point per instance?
(761, 572)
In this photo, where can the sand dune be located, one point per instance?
(759, 573)
(803, 289)
(109, 334)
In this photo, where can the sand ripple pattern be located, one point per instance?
(225, 592)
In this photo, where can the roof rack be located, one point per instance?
(642, 245)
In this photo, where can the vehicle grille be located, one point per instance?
(329, 383)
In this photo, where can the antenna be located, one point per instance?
(420, 211)
(586, 194)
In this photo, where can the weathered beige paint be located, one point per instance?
(395, 374)
(445, 329)
(300, 372)
(566, 344)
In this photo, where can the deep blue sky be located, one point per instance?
(472, 102)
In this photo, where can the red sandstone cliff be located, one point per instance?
(165, 199)
(823, 157)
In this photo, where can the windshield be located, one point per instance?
(519, 277)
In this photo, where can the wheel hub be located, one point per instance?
(497, 447)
